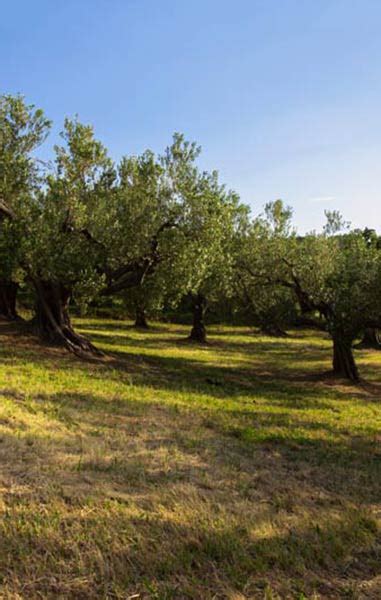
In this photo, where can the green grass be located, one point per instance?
(166, 470)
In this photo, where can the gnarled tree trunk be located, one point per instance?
(53, 321)
(343, 360)
(140, 318)
(198, 333)
(8, 296)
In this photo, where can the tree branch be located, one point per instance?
(5, 211)
(133, 273)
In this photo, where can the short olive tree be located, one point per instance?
(334, 274)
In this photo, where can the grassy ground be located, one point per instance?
(171, 471)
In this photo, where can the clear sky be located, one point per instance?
(283, 95)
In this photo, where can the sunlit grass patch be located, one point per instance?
(167, 470)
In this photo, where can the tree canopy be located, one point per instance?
(156, 228)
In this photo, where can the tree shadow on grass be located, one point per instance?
(291, 454)
(235, 457)
(255, 344)
(128, 326)
(185, 374)
(195, 546)
(344, 463)
(256, 379)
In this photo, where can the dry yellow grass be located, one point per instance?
(168, 471)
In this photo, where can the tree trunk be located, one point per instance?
(53, 321)
(140, 318)
(8, 295)
(343, 361)
(198, 333)
(371, 339)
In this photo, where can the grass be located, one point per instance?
(171, 471)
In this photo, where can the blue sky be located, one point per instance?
(283, 95)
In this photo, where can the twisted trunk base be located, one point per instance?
(343, 360)
(52, 320)
(140, 318)
(371, 339)
(198, 332)
(8, 297)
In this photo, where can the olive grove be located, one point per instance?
(155, 228)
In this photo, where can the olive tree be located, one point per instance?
(22, 129)
(216, 281)
(204, 268)
(59, 259)
(167, 232)
(268, 305)
(336, 275)
(372, 335)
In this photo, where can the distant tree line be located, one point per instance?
(153, 230)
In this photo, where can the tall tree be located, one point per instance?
(22, 129)
(169, 223)
(59, 259)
